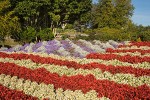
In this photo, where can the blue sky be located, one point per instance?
(141, 12)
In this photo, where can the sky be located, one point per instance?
(141, 15)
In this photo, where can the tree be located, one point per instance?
(112, 14)
(103, 14)
(32, 13)
(123, 12)
(68, 11)
(8, 22)
(41, 14)
(143, 32)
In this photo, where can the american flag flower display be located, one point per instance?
(121, 73)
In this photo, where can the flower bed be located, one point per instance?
(138, 44)
(125, 58)
(67, 47)
(100, 76)
(132, 51)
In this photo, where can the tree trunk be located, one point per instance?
(63, 26)
(2, 42)
(54, 31)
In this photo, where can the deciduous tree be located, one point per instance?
(8, 22)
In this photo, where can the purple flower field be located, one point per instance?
(66, 47)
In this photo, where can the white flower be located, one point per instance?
(13, 82)
(127, 42)
(3, 48)
(19, 84)
(112, 42)
(59, 94)
(44, 43)
(17, 48)
(2, 76)
(104, 98)
(91, 95)
(41, 48)
(7, 80)
(109, 46)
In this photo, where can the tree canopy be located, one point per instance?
(8, 21)
(50, 13)
(30, 20)
(112, 13)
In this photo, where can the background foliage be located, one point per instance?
(34, 20)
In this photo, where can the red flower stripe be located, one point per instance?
(119, 69)
(71, 64)
(9, 94)
(141, 43)
(105, 88)
(125, 58)
(138, 44)
(131, 50)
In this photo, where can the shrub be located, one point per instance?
(45, 34)
(145, 35)
(60, 30)
(133, 36)
(28, 35)
(87, 31)
(69, 31)
(79, 36)
(31, 35)
(65, 36)
(105, 34)
(69, 26)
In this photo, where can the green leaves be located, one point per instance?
(45, 34)
(27, 8)
(112, 13)
(55, 18)
(28, 35)
(8, 22)
(123, 12)
(51, 12)
(26, 15)
(4, 4)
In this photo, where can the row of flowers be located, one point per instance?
(97, 73)
(86, 83)
(126, 58)
(67, 47)
(71, 64)
(96, 47)
(131, 54)
(144, 65)
(42, 90)
(131, 50)
(9, 94)
(60, 78)
(138, 44)
(144, 43)
(134, 47)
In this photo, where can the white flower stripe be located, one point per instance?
(135, 47)
(132, 54)
(144, 65)
(63, 70)
(46, 91)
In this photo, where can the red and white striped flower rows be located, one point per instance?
(113, 75)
